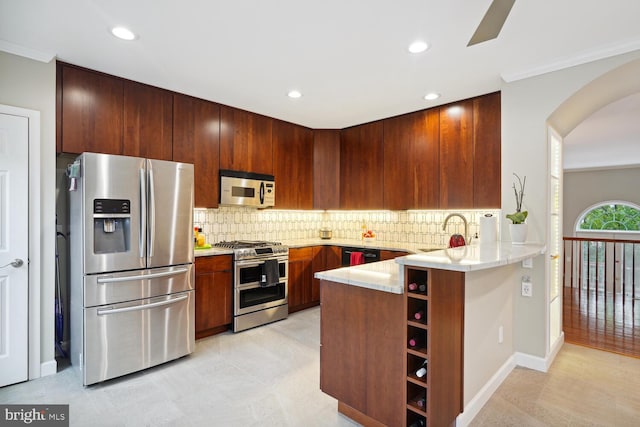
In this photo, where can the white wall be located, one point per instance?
(583, 189)
(30, 84)
(526, 108)
(489, 299)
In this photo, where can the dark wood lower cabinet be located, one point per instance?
(324, 258)
(361, 352)
(214, 295)
(300, 279)
(368, 363)
(304, 263)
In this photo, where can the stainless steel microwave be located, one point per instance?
(247, 189)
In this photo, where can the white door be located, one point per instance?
(14, 227)
(555, 247)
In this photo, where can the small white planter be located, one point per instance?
(518, 233)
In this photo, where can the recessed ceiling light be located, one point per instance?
(418, 46)
(294, 94)
(432, 96)
(123, 33)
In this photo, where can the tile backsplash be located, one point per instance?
(422, 227)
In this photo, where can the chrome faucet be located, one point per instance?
(466, 226)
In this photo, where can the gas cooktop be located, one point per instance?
(242, 244)
(247, 249)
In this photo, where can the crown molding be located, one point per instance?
(572, 61)
(26, 52)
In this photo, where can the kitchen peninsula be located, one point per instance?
(446, 301)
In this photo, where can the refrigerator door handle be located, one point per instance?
(142, 306)
(175, 272)
(151, 235)
(143, 213)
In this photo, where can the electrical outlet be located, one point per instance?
(500, 335)
(527, 263)
(527, 287)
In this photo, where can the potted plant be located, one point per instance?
(518, 227)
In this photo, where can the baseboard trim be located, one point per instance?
(49, 368)
(537, 363)
(485, 393)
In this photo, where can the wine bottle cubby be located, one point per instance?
(434, 303)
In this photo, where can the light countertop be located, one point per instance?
(212, 252)
(474, 257)
(381, 276)
(387, 275)
(302, 243)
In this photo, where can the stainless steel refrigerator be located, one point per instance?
(132, 278)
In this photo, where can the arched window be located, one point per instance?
(610, 216)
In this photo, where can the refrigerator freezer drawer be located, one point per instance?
(112, 288)
(123, 338)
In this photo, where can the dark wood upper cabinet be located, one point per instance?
(411, 161)
(91, 111)
(245, 141)
(447, 157)
(148, 121)
(456, 155)
(326, 169)
(361, 164)
(293, 165)
(487, 145)
(196, 139)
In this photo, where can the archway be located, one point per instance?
(587, 323)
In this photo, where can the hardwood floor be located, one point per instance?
(596, 319)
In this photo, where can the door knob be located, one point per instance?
(15, 263)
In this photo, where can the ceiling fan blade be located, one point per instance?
(492, 22)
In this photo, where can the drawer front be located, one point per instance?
(113, 288)
(124, 338)
(214, 263)
(298, 254)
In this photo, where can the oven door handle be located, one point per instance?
(248, 264)
(142, 306)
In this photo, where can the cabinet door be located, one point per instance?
(333, 257)
(318, 264)
(148, 121)
(487, 151)
(456, 155)
(326, 169)
(196, 139)
(214, 294)
(300, 278)
(293, 165)
(411, 161)
(245, 141)
(361, 164)
(91, 112)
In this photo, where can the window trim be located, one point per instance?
(580, 218)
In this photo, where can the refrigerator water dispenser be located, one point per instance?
(111, 226)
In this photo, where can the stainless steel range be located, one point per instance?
(260, 282)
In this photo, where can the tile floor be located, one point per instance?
(269, 376)
(584, 387)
